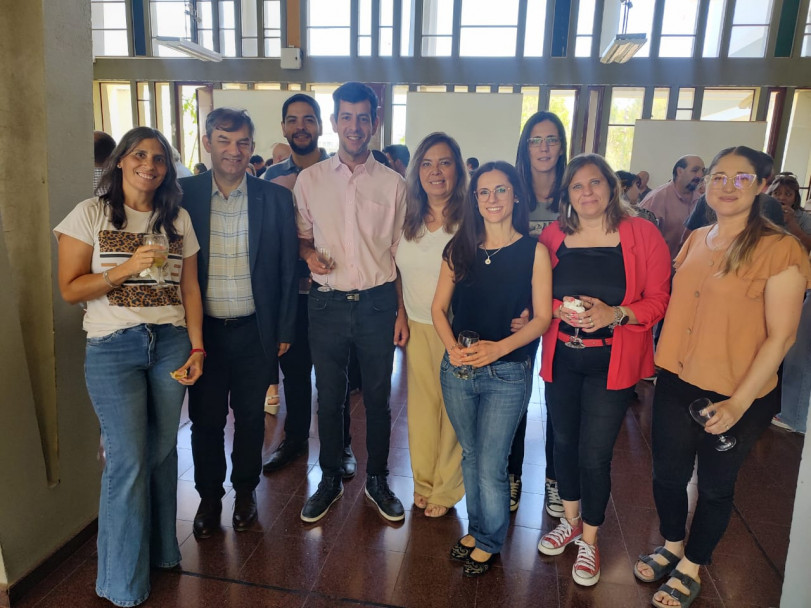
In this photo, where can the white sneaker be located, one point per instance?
(554, 542)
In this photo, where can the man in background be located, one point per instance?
(103, 146)
(472, 164)
(258, 165)
(398, 156)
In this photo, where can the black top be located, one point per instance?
(597, 272)
(494, 294)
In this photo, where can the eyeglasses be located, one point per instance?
(741, 181)
(537, 142)
(501, 192)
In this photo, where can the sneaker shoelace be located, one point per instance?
(559, 535)
(552, 493)
(586, 557)
(514, 487)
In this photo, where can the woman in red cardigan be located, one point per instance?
(611, 284)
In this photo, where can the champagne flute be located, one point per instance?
(326, 257)
(464, 339)
(161, 257)
(575, 341)
(701, 411)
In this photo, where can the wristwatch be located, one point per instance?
(620, 318)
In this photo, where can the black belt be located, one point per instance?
(352, 296)
(232, 322)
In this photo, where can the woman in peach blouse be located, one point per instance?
(734, 309)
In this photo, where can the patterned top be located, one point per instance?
(138, 300)
(229, 293)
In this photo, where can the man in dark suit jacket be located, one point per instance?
(246, 269)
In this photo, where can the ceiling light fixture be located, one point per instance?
(624, 45)
(188, 48)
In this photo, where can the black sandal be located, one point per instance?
(461, 552)
(476, 568)
(691, 584)
(659, 570)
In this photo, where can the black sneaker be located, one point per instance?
(286, 453)
(389, 506)
(515, 492)
(330, 489)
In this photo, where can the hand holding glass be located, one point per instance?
(161, 257)
(326, 258)
(573, 304)
(464, 339)
(701, 411)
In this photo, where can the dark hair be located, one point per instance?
(616, 211)
(381, 158)
(789, 180)
(398, 152)
(743, 246)
(256, 159)
(301, 97)
(627, 179)
(228, 119)
(201, 167)
(473, 162)
(681, 164)
(355, 92)
(460, 252)
(103, 146)
(523, 162)
(166, 200)
(417, 199)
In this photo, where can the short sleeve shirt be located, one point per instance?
(715, 325)
(138, 300)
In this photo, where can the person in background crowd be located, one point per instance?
(491, 270)
(611, 283)
(103, 146)
(258, 164)
(398, 156)
(630, 184)
(200, 168)
(786, 190)
(734, 352)
(472, 164)
(144, 347)
(644, 178)
(280, 152)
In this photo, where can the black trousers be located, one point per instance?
(237, 373)
(677, 441)
(297, 366)
(340, 321)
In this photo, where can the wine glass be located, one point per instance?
(326, 258)
(701, 411)
(464, 339)
(575, 341)
(161, 257)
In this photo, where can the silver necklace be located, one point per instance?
(487, 261)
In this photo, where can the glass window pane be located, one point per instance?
(398, 124)
(436, 46)
(205, 15)
(534, 28)
(686, 98)
(273, 14)
(227, 15)
(248, 17)
(145, 113)
(712, 35)
(618, 148)
(116, 108)
(660, 101)
(365, 17)
(406, 35)
(561, 102)
(752, 13)
(329, 41)
(328, 13)
(386, 48)
(748, 41)
(437, 17)
(476, 12)
(727, 104)
(640, 21)
(250, 47)
(206, 38)
(487, 42)
(111, 43)
(676, 46)
(111, 16)
(364, 46)
(680, 17)
(626, 105)
(386, 13)
(273, 46)
(169, 19)
(228, 43)
(585, 18)
(684, 115)
(582, 46)
(806, 51)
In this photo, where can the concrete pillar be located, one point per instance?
(48, 432)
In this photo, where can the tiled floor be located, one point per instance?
(355, 558)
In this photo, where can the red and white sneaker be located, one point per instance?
(586, 569)
(554, 542)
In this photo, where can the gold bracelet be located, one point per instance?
(106, 277)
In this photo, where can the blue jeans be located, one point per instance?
(138, 406)
(796, 379)
(485, 411)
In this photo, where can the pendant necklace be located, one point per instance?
(487, 261)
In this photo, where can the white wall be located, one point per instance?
(797, 158)
(264, 108)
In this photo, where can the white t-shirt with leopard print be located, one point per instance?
(138, 300)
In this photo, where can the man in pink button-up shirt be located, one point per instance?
(350, 218)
